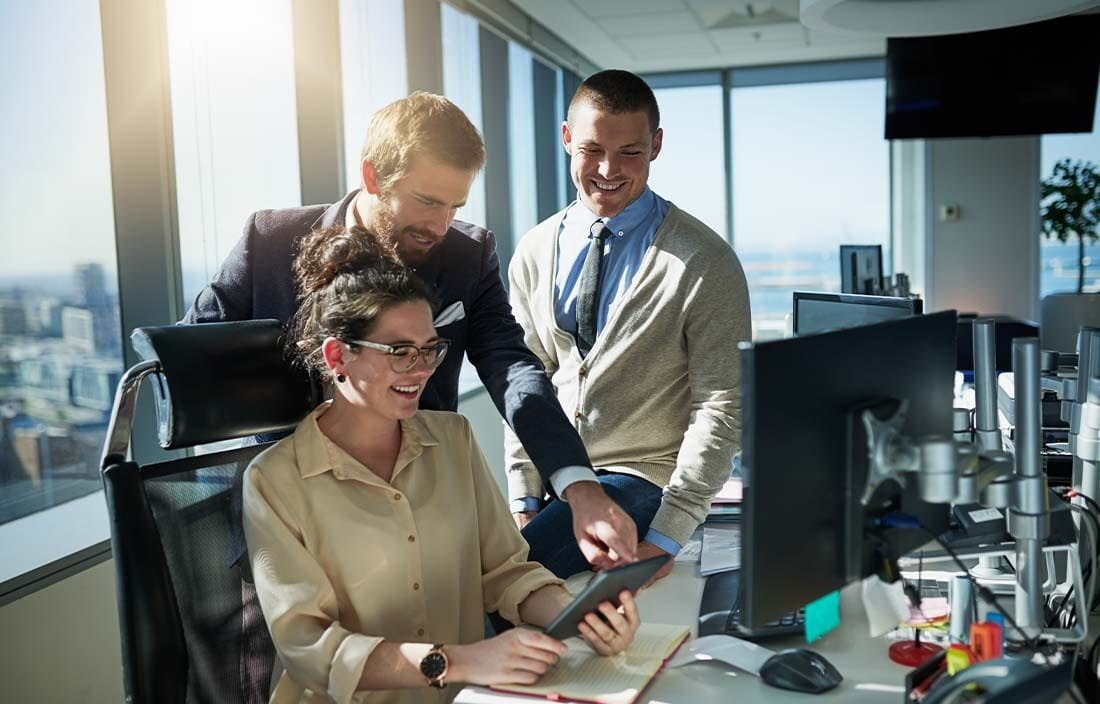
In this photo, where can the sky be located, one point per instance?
(55, 195)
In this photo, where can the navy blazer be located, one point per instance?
(255, 282)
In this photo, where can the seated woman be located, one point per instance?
(377, 536)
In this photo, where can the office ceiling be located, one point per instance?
(669, 35)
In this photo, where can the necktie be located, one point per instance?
(588, 288)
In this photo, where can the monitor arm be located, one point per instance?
(1017, 482)
(945, 468)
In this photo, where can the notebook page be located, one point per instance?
(587, 676)
(656, 641)
(582, 674)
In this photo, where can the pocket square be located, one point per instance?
(454, 312)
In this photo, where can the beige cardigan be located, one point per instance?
(659, 394)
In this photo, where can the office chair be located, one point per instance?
(1061, 315)
(187, 633)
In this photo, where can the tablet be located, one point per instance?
(605, 586)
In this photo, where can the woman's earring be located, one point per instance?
(341, 378)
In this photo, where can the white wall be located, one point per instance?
(61, 644)
(987, 260)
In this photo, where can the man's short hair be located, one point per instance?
(615, 91)
(421, 124)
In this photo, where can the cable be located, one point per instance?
(902, 520)
(982, 591)
(1091, 529)
(1073, 493)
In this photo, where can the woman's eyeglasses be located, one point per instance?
(403, 358)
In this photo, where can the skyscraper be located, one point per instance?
(91, 286)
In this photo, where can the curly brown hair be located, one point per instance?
(345, 279)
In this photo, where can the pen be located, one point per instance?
(921, 689)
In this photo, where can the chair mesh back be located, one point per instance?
(230, 652)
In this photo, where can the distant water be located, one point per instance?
(774, 276)
(1058, 272)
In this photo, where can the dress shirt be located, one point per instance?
(343, 560)
(632, 232)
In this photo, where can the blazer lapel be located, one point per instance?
(335, 213)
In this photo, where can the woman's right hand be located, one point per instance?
(518, 656)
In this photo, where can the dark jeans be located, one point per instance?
(550, 533)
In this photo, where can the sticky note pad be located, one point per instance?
(822, 616)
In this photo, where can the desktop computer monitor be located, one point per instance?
(818, 312)
(804, 464)
(860, 268)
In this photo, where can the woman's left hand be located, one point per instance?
(613, 630)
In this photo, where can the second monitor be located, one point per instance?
(805, 528)
(817, 312)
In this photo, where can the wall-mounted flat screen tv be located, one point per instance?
(1039, 78)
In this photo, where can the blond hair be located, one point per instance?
(422, 123)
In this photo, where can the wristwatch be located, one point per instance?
(434, 666)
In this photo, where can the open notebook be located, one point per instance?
(582, 675)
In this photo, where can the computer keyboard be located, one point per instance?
(720, 612)
(931, 588)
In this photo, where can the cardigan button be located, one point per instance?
(582, 371)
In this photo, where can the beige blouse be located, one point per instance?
(343, 560)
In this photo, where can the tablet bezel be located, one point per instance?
(605, 586)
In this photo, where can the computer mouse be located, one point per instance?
(800, 670)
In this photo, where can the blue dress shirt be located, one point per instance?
(632, 230)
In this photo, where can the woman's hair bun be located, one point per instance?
(325, 254)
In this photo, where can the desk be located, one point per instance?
(869, 675)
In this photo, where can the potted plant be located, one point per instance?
(1070, 207)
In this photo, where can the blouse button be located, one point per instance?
(397, 497)
(420, 631)
(416, 586)
(412, 538)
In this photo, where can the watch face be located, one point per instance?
(433, 665)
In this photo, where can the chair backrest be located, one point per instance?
(190, 632)
(1061, 315)
(223, 380)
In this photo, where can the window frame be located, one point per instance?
(773, 75)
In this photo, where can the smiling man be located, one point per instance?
(419, 159)
(636, 309)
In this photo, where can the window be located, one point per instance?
(690, 170)
(234, 123)
(521, 141)
(462, 85)
(549, 156)
(1059, 262)
(810, 172)
(372, 61)
(60, 338)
